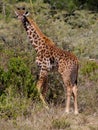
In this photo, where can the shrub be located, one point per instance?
(89, 70)
(18, 88)
(4, 77)
(21, 78)
(70, 5)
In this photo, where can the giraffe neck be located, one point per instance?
(35, 36)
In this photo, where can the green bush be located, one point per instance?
(90, 69)
(18, 78)
(11, 107)
(4, 77)
(18, 88)
(70, 5)
(91, 4)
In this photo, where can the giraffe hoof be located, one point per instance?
(76, 112)
(46, 106)
(66, 112)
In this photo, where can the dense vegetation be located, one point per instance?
(73, 26)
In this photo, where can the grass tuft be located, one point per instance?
(61, 124)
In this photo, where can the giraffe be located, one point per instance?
(49, 56)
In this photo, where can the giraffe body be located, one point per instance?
(49, 56)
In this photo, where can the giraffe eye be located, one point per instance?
(18, 8)
(23, 8)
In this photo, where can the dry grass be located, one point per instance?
(53, 119)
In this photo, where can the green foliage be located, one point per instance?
(56, 93)
(70, 5)
(91, 4)
(19, 78)
(18, 87)
(4, 78)
(11, 107)
(90, 69)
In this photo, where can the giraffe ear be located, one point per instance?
(27, 13)
(16, 13)
(16, 8)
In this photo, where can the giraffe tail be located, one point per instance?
(74, 76)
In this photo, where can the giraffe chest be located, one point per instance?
(48, 63)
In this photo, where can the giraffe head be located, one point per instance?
(21, 13)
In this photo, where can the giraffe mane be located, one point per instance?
(47, 40)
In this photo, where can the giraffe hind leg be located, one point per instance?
(74, 75)
(67, 84)
(69, 92)
(74, 92)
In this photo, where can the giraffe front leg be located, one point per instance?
(40, 83)
(45, 87)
